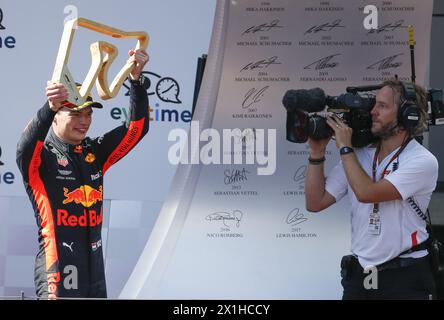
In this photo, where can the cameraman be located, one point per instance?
(389, 184)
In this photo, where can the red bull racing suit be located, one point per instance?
(65, 185)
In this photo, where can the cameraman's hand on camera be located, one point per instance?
(318, 147)
(343, 133)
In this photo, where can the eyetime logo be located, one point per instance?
(1, 19)
(166, 90)
(5, 177)
(7, 41)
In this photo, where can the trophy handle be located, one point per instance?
(102, 54)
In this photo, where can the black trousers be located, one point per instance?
(414, 281)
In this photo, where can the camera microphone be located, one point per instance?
(312, 100)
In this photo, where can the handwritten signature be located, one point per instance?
(325, 27)
(386, 63)
(226, 217)
(295, 218)
(299, 176)
(261, 64)
(263, 27)
(253, 96)
(388, 27)
(235, 175)
(324, 63)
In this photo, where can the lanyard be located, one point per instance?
(375, 159)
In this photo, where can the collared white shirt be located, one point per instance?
(414, 174)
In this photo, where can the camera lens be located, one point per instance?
(318, 128)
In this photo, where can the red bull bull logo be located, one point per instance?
(84, 195)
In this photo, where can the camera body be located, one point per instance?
(353, 108)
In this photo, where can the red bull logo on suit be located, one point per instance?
(84, 195)
(89, 218)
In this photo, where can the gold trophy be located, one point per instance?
(102, 53)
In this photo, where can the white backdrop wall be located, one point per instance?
(250, 237)
(134, 188)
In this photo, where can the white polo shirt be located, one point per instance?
(414, 174)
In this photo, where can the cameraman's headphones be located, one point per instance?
(409, 114)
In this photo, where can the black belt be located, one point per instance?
(399, 263)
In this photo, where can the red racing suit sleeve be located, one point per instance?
(29, 160)
(115, 144)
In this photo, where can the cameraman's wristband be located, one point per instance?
(316, 161)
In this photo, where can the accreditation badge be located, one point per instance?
(374, 222)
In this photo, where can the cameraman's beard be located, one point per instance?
(387, 131)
